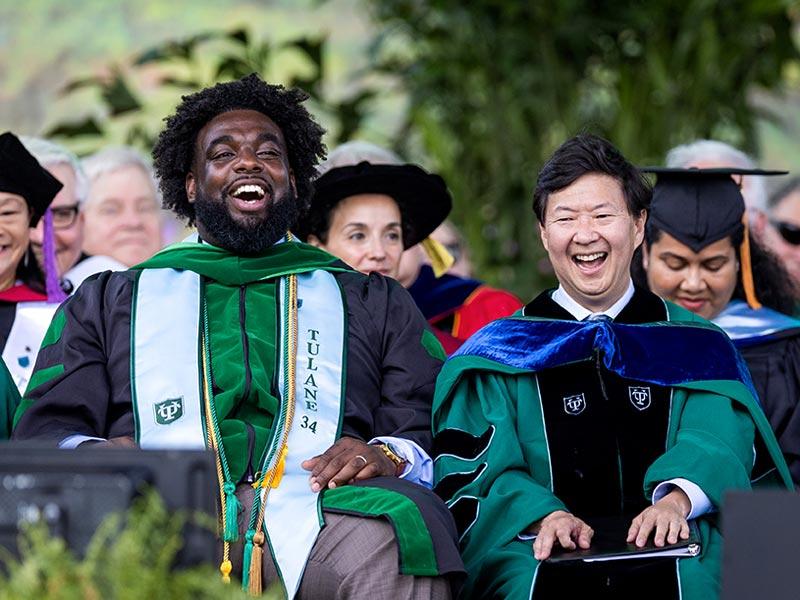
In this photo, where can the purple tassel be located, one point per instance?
(51, 279)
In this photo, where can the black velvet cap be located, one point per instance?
(423, 197)
(21, 174)
(698, 206)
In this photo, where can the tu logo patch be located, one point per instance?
(639, 396)
(169, 411)
(574, 405)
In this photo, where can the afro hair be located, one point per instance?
(174, 150)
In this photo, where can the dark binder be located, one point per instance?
(609, 544)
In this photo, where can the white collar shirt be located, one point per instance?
(581, 313)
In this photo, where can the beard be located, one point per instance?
(252, 235)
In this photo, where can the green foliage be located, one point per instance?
(496, 85)
(127, 562)
(132, 99)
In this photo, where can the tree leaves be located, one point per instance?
(503, 83)
(183, 66)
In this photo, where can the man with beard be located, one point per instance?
(315, 380)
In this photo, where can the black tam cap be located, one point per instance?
(21, 174)
(423, 197)
(699, 206)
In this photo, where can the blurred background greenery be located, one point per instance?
(480, 91)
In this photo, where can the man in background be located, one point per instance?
(72, 263)
(122, 210)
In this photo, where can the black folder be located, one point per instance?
(609, 544)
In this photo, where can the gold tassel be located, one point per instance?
(254, 579)
(441, 259)
(747, 268)
(273, 480)
(225, 568)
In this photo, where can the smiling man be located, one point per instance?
(67, 216)
(316, 380)
(596, 403)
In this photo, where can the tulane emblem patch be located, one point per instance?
(169, 411)
(574, 405)
(640, 396)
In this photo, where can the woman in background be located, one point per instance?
(698, 253)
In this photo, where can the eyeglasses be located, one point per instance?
(64, 216)
(789, 232)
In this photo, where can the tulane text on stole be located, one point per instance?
(310, 388)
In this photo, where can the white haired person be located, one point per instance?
(73, 265)
(121, 215)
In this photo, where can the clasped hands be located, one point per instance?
(667, 518)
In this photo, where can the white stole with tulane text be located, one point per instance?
(167, 392)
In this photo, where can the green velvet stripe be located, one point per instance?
(432, 345)
(55, 330)
(417, 556)
(231, 269)
(39, 377)
(43, 376)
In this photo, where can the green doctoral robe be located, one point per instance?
(9, 400)
(497, 463)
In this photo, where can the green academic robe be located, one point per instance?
(9, 400)
(495, 439)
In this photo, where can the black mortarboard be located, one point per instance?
(423, 197)
(21, 173)
(699, 206)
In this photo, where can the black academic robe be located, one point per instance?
(85, 383)
(390, 375)
(775, 369)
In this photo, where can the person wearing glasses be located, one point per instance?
(699, 254)
(72, 264)
(784, 218)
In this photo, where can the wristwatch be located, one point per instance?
(392, 455)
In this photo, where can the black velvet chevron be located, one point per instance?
(462, 444)
(465, 513)
(449, 485)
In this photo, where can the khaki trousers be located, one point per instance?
(353, 557)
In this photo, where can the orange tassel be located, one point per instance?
(747, 268)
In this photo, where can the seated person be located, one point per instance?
(29, 294)
(68, 219)
(377, 215)
(122, 218)
(367, 214)
(598, 401)
(310, 382)
(699, 253)
(784, 220)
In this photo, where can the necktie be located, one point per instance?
(598, 317)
